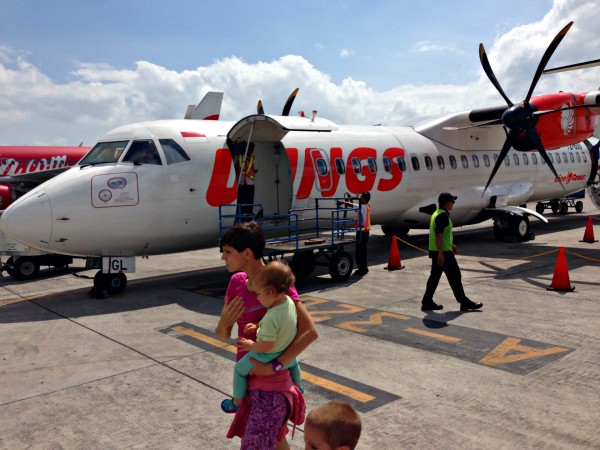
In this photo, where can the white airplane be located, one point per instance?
(114, 207)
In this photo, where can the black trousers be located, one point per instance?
(452, 271)
(245, 197)
(361, 250)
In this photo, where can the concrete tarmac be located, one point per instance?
(143, 369)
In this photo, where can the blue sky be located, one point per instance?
(72, 70)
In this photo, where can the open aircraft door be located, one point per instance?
(273, 184)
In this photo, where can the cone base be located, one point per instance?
(394, 268)
(570, 289)
(589, 241)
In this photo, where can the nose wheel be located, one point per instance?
(106, 284)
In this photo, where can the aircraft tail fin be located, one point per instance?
(209, 107)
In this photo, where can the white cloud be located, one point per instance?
(345, 53)
(36, 110)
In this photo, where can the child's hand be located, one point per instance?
(250, 328)
(244, 344)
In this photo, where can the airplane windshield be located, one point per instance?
(104, 152)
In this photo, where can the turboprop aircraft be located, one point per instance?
(115, 207)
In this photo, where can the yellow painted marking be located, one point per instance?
(314, 379)
(205, 338)
(438, 336)
(309, 301)
(320, 316)
(500, 355)
(374, 319)
(336, 387)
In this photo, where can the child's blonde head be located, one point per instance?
(276, 275)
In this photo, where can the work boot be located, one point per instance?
(431, 306)
(469, 305)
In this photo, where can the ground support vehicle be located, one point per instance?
(313, 235)
(562, 205)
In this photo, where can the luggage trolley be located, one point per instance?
(314, 236)
(563, 204)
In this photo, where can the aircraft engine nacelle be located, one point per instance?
(7, 196)
(594, 194)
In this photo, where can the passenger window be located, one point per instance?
(428, 163)
(356, 166)
(534, 158)
(401, 163)
(578, 157)
(387, 164)
(486, 160)
(525, 159)
(565, 159)
(173, 152)
(584, 157)
(372, 165)
(557, 158)
(495, 157)
(506, 160)
(452, 161)
(516, 158)
(551, 157)
(322, 167)
(572, 158)
(475, 161)
(415, 163)
(143, 152)
(441, 163)
(464, 161)
(340, 166)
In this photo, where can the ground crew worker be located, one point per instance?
(363, 229)
(441, 252)
(248, 170)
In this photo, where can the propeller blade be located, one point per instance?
(503, 153)
(581, 65)
(532, 134)
(490, 73)
(288, 103)
(259, 108)
(547, 55)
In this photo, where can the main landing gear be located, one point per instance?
(106, 284)
(512, 228)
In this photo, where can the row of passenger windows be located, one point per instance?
(475, 160)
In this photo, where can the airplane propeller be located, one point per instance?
(521, 119)
(286, 108)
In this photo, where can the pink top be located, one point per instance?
(253, 311)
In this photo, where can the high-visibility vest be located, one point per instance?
(366, 226)
(447, 238)
(248, 169)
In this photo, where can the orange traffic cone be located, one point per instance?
(560, 280)
(588, 236)
(394, 258)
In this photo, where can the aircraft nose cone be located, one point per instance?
(29, 220)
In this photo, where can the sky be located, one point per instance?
(72, 70)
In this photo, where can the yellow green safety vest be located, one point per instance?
(447, 239)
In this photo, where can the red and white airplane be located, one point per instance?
(493, 159)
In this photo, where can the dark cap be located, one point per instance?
(446, 197)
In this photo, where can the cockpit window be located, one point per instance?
(173, 151)
(143, 152)
(104, 152)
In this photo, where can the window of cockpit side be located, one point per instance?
(486, 160)
(452, 161)
(143, 152)
(441, 162)
(356, 165)
(464, 161)
(173, 152)
(415, 163)
(340, 166)
(372, 163)
(475, 159)
(401, 163)
(104, 152)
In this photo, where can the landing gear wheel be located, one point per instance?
(340, 266)
(578, 206)
(554, 205)
(117, 282)
(25, 268)
(303, 263)
(106, 284)
(540, 208)
(521, 228)
(564, 208)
